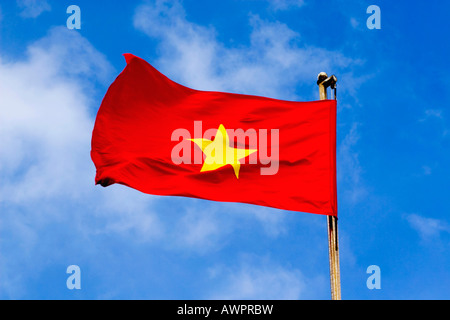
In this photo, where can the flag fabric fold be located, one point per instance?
(157, 136)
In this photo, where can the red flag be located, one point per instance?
(162, 138)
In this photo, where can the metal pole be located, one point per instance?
(324, 82)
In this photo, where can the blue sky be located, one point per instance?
(393, 151)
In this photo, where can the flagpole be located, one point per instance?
(323, 81)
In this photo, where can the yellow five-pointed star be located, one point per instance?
(219, 153)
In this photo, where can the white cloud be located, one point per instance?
(426, 170)
(259, 278)
(45, 123)
(47, 176)
(33, 8)
(427, 227)
(436, 118)
(274, 63)
(125, 212)
(201, 228)
(279, 5)
(354, 23)
(272, 221)
(207, 227)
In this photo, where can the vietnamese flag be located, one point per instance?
(162, 138)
